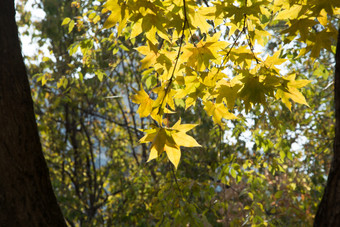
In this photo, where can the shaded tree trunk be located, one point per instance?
(26, 195)
(328, 213)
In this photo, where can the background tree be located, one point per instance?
(328, 214)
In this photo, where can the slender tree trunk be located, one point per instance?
(328, 213)
(26, 195)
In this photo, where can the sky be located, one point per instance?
(28, 45)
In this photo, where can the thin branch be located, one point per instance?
(178, 53)
(174, 175)
(128, 128)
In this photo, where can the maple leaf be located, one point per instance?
(193, 90)
(322, 40)
(218, 111)
(151, 53)
(257, 86)
(289, 90)
(228, 91)
(300, 26)
(292, 13)
(146, 103)
(271, 61)
(169, 140)
(241, 56)
(119, 13)
(191, 84)
(200, 55)
(115, 15)
(198, 18)
(165, 97)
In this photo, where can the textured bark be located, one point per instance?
(328, 213)
(26, 195)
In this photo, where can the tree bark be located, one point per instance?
(328, 213)
(26, 195)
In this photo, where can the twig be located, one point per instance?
(178, 54)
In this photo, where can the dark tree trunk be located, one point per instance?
(26, 195)
(328, 213)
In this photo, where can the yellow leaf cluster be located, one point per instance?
(194, 60)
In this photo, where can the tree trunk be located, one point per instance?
(328, 213)
(26, 195)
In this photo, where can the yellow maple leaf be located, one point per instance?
(201, 55)
(151, 55)
(228, 91)
(289, 90)
(169, 140)
(174, 153)
(146, 103)
(198, 19)
(115, 16)
(165, 97)
(271, 61)
(291, 13)
(322, 18)
(218, 111)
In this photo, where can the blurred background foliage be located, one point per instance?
(267, 169)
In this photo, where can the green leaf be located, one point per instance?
(278, 194)
(100, 75)
(282, 154)
(233, 173)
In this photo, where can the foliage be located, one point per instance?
(231, 67)
(191, 62)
